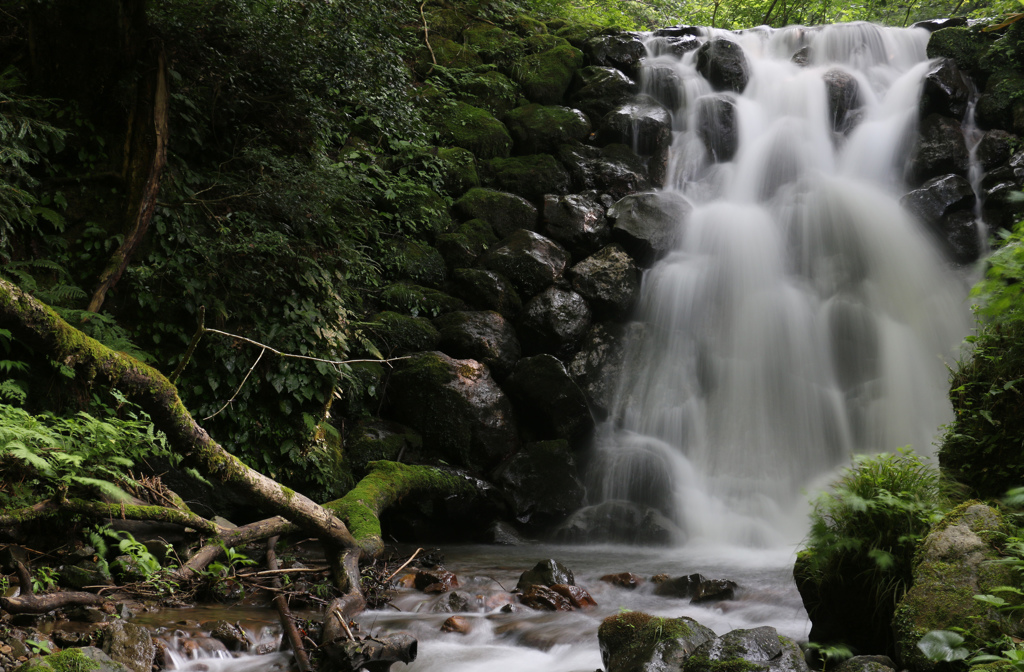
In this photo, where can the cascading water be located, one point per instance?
(803, 316)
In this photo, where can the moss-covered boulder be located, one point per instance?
(458, 166)
(540, 482)
(418, 301)
(527, 25)
(529, 260)
(462, 247)
(86, 659)
(493, 44)
(546, 76)
(529, 176)
(954, 563)
(637, 642)
(458, 409)
(423, 210)
(483, 335)
(755, 650)
(505, 212)
(445, 22)
(490, 90)
(577, 34)
(551, 403)
(598, 90)
(396, 334)
(542, 128)
(966, 46)
(376, 439)
(1001, 105)
(474, 129)
(447, 53)
(487, 290)
(417, 261)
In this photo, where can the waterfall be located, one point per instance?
(803, 316)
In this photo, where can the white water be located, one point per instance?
(804, 316)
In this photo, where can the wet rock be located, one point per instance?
(624, 52)
(598, 90)
(487, 290)
(536, 128)
(553, 322)
(682, 586)
(648, 225)
(231, 635)
(545, 77)
(597, 365)
(578, 596)
(620, 521)
(802, 56)
(543, 598)
(724, 65)
(458, 624)
(843, 98)
(609, 281)
(435, 580)
(665, 85)
(376, 439)
(945, 205)
(763, 647)
(642, 123)
(529, 260)
(673, 45)
(130, 645)
(482, 335)
(540, 482)
(995, 149)
(529, 176)
(505, 212)
(402, 334)
(456, 406)
(932, 25)
(1002, 207)
(627, 580)
(576, 221)
(679, 31)
(717, 126)
(946, 91)
(546, 573)
(940, 149)
(453, 602)
(638, 642)
(552, 404)
(714, 590)
(504, 534)
(462, 247)
(961, 237)
(614, 169)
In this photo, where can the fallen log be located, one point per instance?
(30, 603)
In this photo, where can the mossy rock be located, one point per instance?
(540, 128)
(458, 165)
(417, 261)
(444, 22)
(1002, 104)
(955, 562)
(535, 44)
(964, 45)
(577, 34)
(419, 301)
(493, 44)
(529, 176)
(749, 650)
(424, 210)
(397, 334)
(87, 659)
(555, 24)
(491, 91)
(487, 290)
(475, 129)
(505, 212)
(377, 439)
(527, 25)
(447, 53)
(463, 247)
(546, 76)
(637, 642)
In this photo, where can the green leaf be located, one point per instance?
(943, 645)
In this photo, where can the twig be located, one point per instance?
(404, 565)
(293, 570)
(426, 37)
(191, 346)
(233, 396)
(312, 359)
(281, 602)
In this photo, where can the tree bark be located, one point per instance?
(50, 509)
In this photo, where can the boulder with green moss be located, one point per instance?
(376, 439)
(474, 129)
(505, 212)
(527, 25)
(493, 44)
(463, 246)
(529, 176)
(966, 46)
(487, 290)
(490, 90)
(463, 416)
(458, 168)
(445, 22)
(578, 33)
(86, 659)
(396, 334)
(546, 76)
(953, 564)
(541, 128)
(1002, 105)
(447, 53)
(418, 301)
(637, 642)
(419, 262)
(754, 650)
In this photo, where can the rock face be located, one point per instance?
(529, 176)
(529, 260)
(648, 225)
(940, 149)
(483, 335)
(723, 63)
(487, 289)
(623, 52)
(541, 482)
(456, 406)
(945, 205)
(955, 564)
(946, 91)
(553, 322)
(598, 364)
(552, 405)
(642, 122)
(638, 642)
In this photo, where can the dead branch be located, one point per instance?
(285, 614)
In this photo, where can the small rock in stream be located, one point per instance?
(457, 624)
(627, 580)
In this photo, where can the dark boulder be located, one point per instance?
(529, 176)
(946, 206)
(614, 170)
(867, 664)
(540, 482)
(648, 225)
(643, 123)
(597, 366)
(940, 149)
(501, 533)
(482, 335)
(418, 262)
(999, 106)
(664, 84)
(624, 52)
(576, 221)
(609, 281)
(627, 580)
(995, 149)
(553, 322)
(679, 31)
(761, 647)
(723, 63)
(932, 25)
(1002, 208)
(545, 76)
(406, 297)
(536, 129)
(503, 211)
(552, 404)
(946, 91)
(717, 126)
(546, 573)
(401, 334)
(457, 407)
(843, 98)
(599, 90)
(696, 587)
(475, 130)
(487, 290)
(129, 644)
(618, 521)
(543, 598)
(961, 237)
(673, 45)
(375, 439)
(529, 260)
(462, 247)
(638, 642)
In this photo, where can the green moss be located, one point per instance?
(447, 53)
(68, 660)
(546, 76)
(493, 44)
(445, 22)
(475, 129)
(401, 334)
(577, 33)
(530, 176)
(965, 46)
(288, 493)
(527, 25)
(417, 261)
(420, 301)
(378, 440)
(540, 128)
(618, 631)
(459, 168)
(464, 246)
(491, 91)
